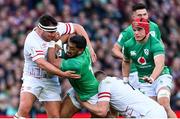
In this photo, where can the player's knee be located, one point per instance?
(163, 93)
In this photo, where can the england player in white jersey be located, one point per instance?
(39, 80)
(123, 98)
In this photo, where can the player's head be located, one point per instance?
(140, 11)
(76, 45)
(141, 28)
(48, 25)
(100, 75)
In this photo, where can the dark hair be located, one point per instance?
(79, 40)
(138, 6)
(99, 72)
(47, 20)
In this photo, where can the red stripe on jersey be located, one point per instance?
(39, 50)
(66, 29)
(106, 96)
(69, 28)
(104, 93)
(38, 54)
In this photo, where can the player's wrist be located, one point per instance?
(59, 43)
(125, 79)
(152, 79)
(52, 44)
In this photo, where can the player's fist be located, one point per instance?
(125, 80)
(148, 79)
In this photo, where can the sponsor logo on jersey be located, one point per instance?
(146, 51)
(142, 60)
(133, 53)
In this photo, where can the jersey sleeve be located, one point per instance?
(70, 64)
(158, 48)
(104, 93)
(125, 52)
(158, 33)
(34, 49)
(124, 36)
(65, 28)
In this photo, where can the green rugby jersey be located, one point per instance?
(87, 85)
(142, 55)
(129, 33)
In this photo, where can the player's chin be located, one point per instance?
(69, 55)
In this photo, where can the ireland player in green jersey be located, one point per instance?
(139, 11)
(78, 59)
(148, 55)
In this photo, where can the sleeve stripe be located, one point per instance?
(38, 54)
(39, 50)
(104, 93)
(69, 28)
(66, 29)
(103, 97)
(158, 55)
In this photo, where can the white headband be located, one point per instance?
(48, 28)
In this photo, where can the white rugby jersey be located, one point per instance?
(123, 98)
(35, 47)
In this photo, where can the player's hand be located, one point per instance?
(148, 79)
(57, 36)
(71, 74)
(125, 80)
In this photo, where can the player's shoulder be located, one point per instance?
(154, 39)
(31, 37)
(128, 29)
(131, 42)
(153, 24)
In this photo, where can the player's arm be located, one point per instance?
(159, 65)
(45, 65)
(52, 55)
(116, 51)
(125, 65)
(100, 109)
(56, 62)
(81, 31)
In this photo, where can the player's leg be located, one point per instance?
(163, 99)
(70, 105)
(29, 92)
(26, 101)
(68, 109)
(163, 86)
(50, 96)
(52, 108)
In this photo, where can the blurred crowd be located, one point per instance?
(102, 19)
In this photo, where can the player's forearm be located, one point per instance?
(159, 66)
(125, 68)
(81, 31)
(52, 58)
(95, 109)
(116, 52)
(50, 68)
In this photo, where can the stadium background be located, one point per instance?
(102, 19)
